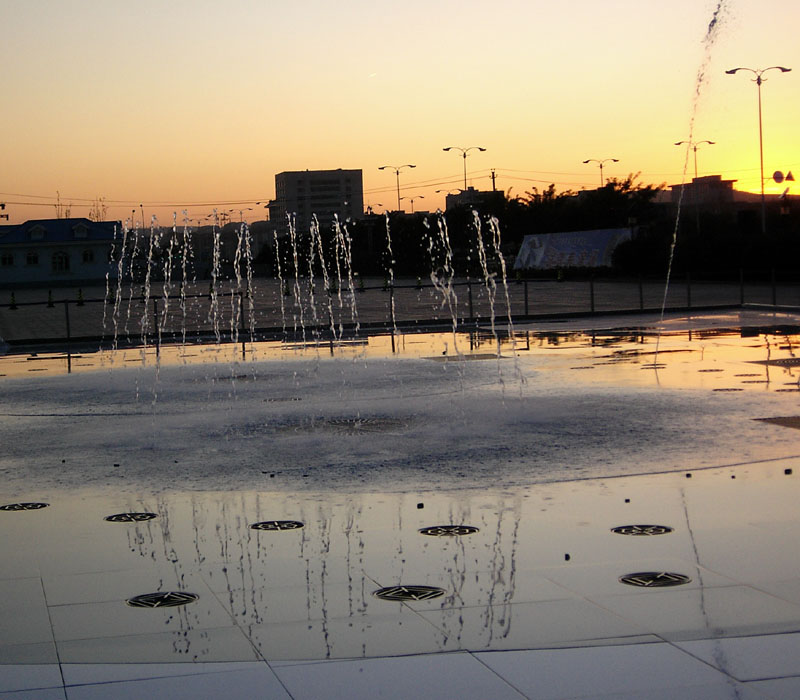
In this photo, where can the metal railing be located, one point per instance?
(272, 310)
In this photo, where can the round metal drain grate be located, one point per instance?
(403, 593)
(349, 426)
(24, 506)
(163, 599)
(365, 425)
(654, 579)
(786, 362)
(641, 530)
(130, 517)
(449, 530)
(274, 525)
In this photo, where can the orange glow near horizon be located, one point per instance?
(196, 107)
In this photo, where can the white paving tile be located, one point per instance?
(23, 612)
(684, 614)
(39, 694)
(603, 578)
(207, 645)
(778, 688)
(41, 653)
(786, 590)
(245, 684)
(730, 690)
(85, 674)
(477, 588)
(453, 676)
(398, 633)
(117, 619)
(554, 674)
(111, 586)
(750, 658)
(528, 625)
(29, 676)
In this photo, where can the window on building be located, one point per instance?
(32, 258)
(88, 256)
(60, 262)
(6, 259)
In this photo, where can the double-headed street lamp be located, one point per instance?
(397, 169)
(600, 163)
(464, 152)
(411, 199)
(758, 72)
(693, 145)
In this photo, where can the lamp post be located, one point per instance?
(411, 199)
(693, 145)
(600, 163)
(464, 152)
(397, 169)
(758, 72)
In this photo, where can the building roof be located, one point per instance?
(59, 231)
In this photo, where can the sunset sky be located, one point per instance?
(194, 104)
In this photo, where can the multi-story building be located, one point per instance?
(64, 251)
(708, 192)
(321, 193)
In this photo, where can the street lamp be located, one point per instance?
(600, 163)
(693, 145)
(758, 72)
(397, 169)
(448, 193)
(464, 152)
(411, 199)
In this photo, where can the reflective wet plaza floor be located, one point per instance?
(574, 516)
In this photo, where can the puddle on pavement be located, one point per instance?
(540, 567)
(312, 510)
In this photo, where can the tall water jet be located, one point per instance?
(187, 258)
(390, 276)
(213, 311)
(281, 282)
(488, 276)
(442, 271)
(298, 300)
(709, 40)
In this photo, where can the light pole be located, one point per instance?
(758, 72)
(464, 152)
(693, 145)
(600, 163)
(411, 199)
(397, 169)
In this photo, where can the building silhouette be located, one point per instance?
(326, 194)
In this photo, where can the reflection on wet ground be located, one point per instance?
(671, 353)
(577, 488)
(240, 576)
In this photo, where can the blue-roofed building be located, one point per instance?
(66, 251)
